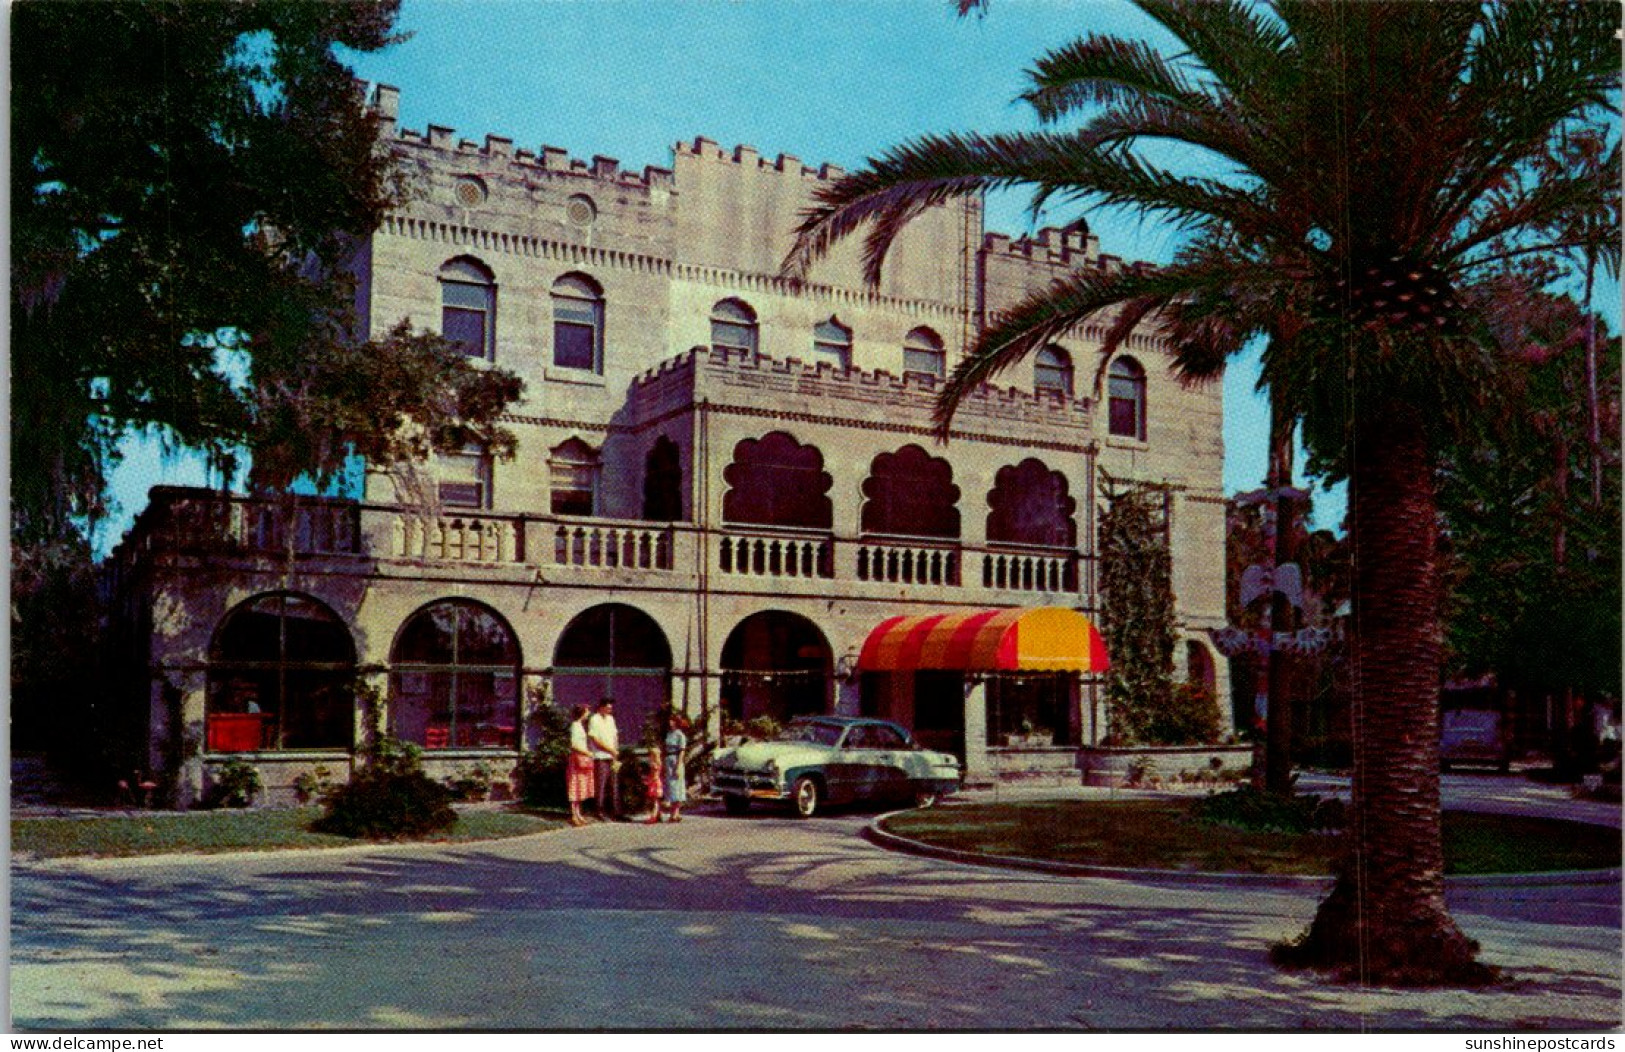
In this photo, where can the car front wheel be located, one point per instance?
(806, 796)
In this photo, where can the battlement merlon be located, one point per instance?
(384, 101)
(749, 158)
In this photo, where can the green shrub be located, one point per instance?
(763, 728)
(541, 771)
(1189, 716)
(1261, 810)
(389, 798)
(313, 785)
(235, 784)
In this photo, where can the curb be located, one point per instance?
(891, 841)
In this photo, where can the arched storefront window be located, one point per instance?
(777, 481)
(454, 680)
(778, 665)
(1030, 505)
(614, 651)
(911, 493)
(281, 674)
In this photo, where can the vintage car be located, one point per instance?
(1473, 736)
(822, 760)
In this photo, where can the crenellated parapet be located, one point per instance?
(789, 389)
(495, 150)
(748, 159)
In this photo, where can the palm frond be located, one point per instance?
(934, 169)
(1045, 316)
(1103, 69)
(1236, 43)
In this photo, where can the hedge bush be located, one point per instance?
(389, 798)
(1264, 811)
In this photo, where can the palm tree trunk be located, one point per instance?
(1385, 920)
(1278, 718)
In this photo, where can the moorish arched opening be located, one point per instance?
(777, 481)
(911, 493)
(1030, 505)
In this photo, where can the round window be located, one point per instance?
(470, 192)
(580, 210)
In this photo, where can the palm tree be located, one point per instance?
(1368, 148)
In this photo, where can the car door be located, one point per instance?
(891, 753)
(859, 764)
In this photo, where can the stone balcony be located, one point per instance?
(337, 534)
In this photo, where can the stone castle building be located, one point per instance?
(725, 484)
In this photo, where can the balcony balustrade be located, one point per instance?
(776, 555)
(908, 562)
(1030, 571)
(195, 520)
(594, 544)
(457, 539)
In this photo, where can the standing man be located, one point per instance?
(606, 751)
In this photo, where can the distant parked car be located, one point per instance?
(1473, 737)
(822, 760)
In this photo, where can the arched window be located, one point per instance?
(1052, 371)
(614, 651)
(1125, 398)
(776, 664)
(733, 326)
(923, 354)
(832, 343)
(777, 481)
(578, 324)
(280, 674)
(468, 306)
(663, 482)
(573, 468)
(1030, 505)
(912, 493)
(454, 679)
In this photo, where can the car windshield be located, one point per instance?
(817, 733)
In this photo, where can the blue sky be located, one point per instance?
(824, 80)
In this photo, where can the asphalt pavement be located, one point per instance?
(760, 922)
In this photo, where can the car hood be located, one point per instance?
(755, 756)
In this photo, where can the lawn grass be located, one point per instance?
(1161, 834)
(206, 832)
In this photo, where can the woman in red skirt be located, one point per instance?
(578, 779)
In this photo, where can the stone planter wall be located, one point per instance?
(1110, 766)
(1026, 761)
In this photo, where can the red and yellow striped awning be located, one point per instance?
(1046, 639)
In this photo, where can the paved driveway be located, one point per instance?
(757, 922)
